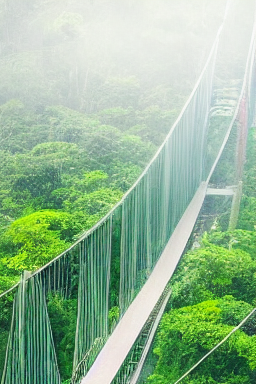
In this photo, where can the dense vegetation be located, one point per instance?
(88, 91)
(52, 191)
(213, 290)
(85, 100)
(83, 109)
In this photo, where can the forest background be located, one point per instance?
(88, 91)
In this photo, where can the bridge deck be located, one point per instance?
(114, 352)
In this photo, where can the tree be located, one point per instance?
(32, 241)
(30, 178)
(124, 175)
(63, 317)
(188, 333)
(121, 92)
(247, 216)
(118, 117)
(157, 121)
(212, 271)
(237, 239)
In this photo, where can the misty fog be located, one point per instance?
(73, 52)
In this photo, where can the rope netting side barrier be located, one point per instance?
(124, 336)
(243, 118)
(151, 210)
(78, 281)
(30, 353)
(148, 215)
(93, 292)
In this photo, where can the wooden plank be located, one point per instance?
(111, 357)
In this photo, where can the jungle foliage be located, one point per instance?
(85, 100)
(82, 113)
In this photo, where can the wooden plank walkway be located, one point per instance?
(118, 345)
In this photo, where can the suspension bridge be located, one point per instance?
(146, 233)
